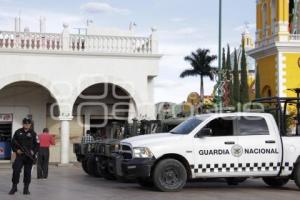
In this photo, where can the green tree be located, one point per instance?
(244, 89)
(257, 84)
(201, 65)
(223, 60)
(236, 80)
(229, 75)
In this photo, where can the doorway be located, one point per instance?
(5, 138)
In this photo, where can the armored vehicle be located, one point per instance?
(97, 157)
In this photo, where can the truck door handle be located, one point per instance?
(229, 143)
(270, 142)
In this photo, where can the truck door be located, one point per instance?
(261, 147)
(213, 156)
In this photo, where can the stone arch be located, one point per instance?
(31, 78)
(91, 81)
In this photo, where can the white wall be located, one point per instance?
(67, 75)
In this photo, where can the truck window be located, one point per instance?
(221, 127)
(186, 127)
(253, 126)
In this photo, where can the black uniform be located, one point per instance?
(28, 143)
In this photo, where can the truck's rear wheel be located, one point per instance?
(84, 166)
(297, 175)
(169, 175)
(276, 182)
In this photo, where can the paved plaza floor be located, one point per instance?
(71, 183)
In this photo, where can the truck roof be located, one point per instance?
(235, 113)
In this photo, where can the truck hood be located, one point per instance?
(151, 139)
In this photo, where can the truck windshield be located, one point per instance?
(187, 126)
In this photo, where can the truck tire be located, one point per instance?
(297, 175)
(102, 165)
(169, 175)
(235, 181)
(276, 182)
(109, 176)
(84, 166)
(92, 167)
(145, 182)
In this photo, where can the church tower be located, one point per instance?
(277, 46)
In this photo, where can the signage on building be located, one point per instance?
(6, 117)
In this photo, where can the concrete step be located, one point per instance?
(5, 165)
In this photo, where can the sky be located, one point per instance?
(183, 26)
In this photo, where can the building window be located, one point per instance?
(264, 20)
(274, 12)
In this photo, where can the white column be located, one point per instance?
(65, 140)
(132, 112)
(42, 25)
(154, 40)
(66, 37)
(17, 24)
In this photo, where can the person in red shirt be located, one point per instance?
(46, 140)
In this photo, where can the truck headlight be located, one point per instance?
(142, 152)
(116, 147)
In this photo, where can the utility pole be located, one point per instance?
(219, 85)
(220, 35)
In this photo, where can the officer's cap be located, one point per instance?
(27, 121)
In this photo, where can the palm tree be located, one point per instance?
(200, 62)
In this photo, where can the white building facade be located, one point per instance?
(71, 83)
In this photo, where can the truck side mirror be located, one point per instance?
(204, 132)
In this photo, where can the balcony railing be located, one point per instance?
(113, 44)
(76, 43)
(295, 37)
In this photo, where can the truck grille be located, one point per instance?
(126, 152)
(126, 148)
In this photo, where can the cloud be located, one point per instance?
(166, 84)
(98, 8)
(184, 34)
(242, 28)
(178, 19)
(30, 18)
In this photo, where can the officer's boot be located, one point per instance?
(26, 189)
(13, 190)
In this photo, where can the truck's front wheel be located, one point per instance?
(92, 167)
(297, 175)
(276, 182)
(169, 175)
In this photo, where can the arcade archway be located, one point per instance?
(24, 99)
(101, 105)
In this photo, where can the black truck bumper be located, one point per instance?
(134, 168)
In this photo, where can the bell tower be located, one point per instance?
(277, 46)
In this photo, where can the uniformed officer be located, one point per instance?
(25, 144)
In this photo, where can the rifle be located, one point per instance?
(26, 152)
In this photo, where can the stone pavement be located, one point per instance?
(71, 183)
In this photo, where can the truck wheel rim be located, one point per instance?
(170, 177)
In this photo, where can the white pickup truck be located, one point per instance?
(234, 146)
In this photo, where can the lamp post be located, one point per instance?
(220, 36)
(219, 85)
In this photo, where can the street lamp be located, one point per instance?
(219, 85)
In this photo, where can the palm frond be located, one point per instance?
(188, 72)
